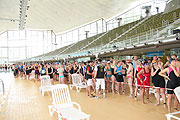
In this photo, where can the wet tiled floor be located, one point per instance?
(25, 102)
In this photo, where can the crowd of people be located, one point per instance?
(136, 76)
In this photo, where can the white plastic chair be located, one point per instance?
(45, 84)
(63, 106)
(171, 115)
(77, 82)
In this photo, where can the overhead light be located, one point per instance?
(108, 51)
(152, 43)
(114, 50)
(129, 47)
(121, 49)
(140, 45)
(102, 52)
(169, 40)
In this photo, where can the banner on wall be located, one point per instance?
(151, 54)
(85, 59)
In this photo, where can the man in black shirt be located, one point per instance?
(99, 76)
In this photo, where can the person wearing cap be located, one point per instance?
(146, 72)
(137, 81)
(158, 81)
(130, 77)
(119, 78)
(99, 76)
(172, 77)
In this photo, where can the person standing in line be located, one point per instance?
(109, 74)
(113, 78)
(42, 70)
(99, 76)
(60, 70)
(135, 64)
(172, 83)
(21, 70)
(158, 82)
(89, 71)
(119, 78)
(146, 72)
(65, 74)
(124, 73)
(49, 70)
(36, 67)
(130, 77)
(137, 81)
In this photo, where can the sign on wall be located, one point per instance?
(151, 54)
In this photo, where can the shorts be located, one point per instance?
(27, 72)
(36, 72)
(61, 76)
(43, 74)
(159, 83)
(119, 78)
(109, 76)
(21, 70)
(171, 85)
(89, 82)
(100, 82)
(130, 76)
(51, 76)
(124, 75)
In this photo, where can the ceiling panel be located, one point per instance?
(60, 15)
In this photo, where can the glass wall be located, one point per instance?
(81, 33)
(18, 45)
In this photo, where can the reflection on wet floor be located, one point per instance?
(25, 102)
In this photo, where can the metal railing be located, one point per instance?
(148, 37)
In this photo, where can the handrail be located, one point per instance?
(80, 26)
(117, 37)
